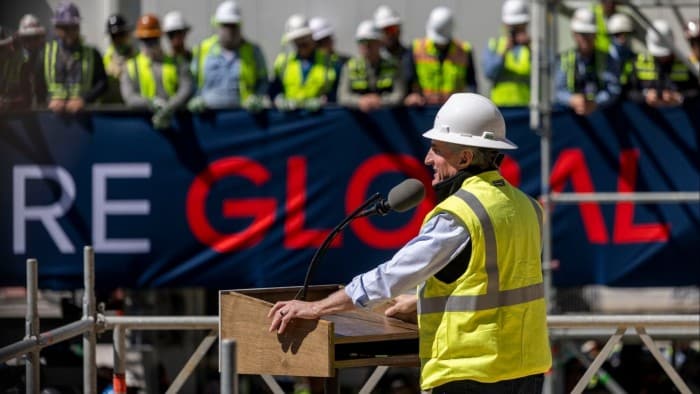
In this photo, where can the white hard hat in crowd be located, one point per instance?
(439, 26)
(296, 27)
(692, 29)
(320, 28)
(583, 21)
(515, 12)
(228, 12)
(29, 26)
(174, 21)
(470, 119)
(655, 43)
(385, 16)
(367, 30)
(620, 23)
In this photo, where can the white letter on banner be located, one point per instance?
(101, 207)
(47, 214)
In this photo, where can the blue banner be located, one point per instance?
(233, 200)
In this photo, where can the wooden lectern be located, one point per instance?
(316, 348)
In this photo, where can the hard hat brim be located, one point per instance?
(31, 31)
(228, 20)
(658, 50)
(293, 35)
(389, 22)
(467, 140)
(148, 34)
(437, 38)
(584, 28)
(322, 33)
(516, 19)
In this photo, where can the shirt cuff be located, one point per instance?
(356, 291)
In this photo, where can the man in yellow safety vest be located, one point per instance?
(475, 263)
(153, 80)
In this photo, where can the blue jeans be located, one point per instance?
(528, 385)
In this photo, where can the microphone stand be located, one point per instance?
(320, 252)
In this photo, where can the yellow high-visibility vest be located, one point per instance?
(139, 69)
(441, 78)
(490, 324)
(63, 89)
(318, 81)
(359, 79)
(513, 85)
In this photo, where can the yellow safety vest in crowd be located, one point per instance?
(318, 81)
(359, 79)
(249, 67)
(139, 69)
(647, 71)
(62, 89)
(568, 66)
(490, 324)
(444, 78)
(602, 39)
(513, 85)
(113, 94)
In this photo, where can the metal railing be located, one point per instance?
(94, 322)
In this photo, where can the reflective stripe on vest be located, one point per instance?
(64, 89)
(318, 81)
(647, 70)
(359, 80)
(494, 297)
(512, 87)
(446, 77)
(199, 54)
(602, 39)
(140, 71)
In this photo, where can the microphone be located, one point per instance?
(402, 197)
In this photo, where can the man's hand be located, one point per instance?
(577, 102)
(75, 105)
(671, 97)
(651, 96)
(57, 106)
(589, 106)
(403, 307)
(369, 102)
(284, 311)
(414, 100)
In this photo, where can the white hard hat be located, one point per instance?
(174, 21)
(620, 23)
(320, 28)
(515, 12)
(385, 16)
(29, 26)
(583, 21)
(654, 42)
(228, 12)
(296, 27)
(692, 29)
(470, 119)
(439, 26)
(366, 30)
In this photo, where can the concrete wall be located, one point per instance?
(476, 21)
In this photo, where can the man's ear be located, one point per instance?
(466, 157)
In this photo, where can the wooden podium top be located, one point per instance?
(311, 347)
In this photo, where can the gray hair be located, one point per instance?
(482, 158)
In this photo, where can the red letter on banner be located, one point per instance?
(572, 165)
(262, 210)
(357, 192)
(625, 230)
(510, 169)
(295, 235)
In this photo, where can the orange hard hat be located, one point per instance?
(148, 26)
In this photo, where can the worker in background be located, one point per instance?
(603, 10)
(663, 79)
(120, 50)
(389, 22)
(442, 65)
(153, 80)
(176, 28)
(304, 76)
(73, 72)
(32, 39)
(620, 28)
(507, 59)
(230, 71)
(370, 81)
(585, 79)
(692, 34)
(323, 34)
(14, 85)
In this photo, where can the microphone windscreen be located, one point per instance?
(406, 195)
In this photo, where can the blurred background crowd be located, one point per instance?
(47, 64)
